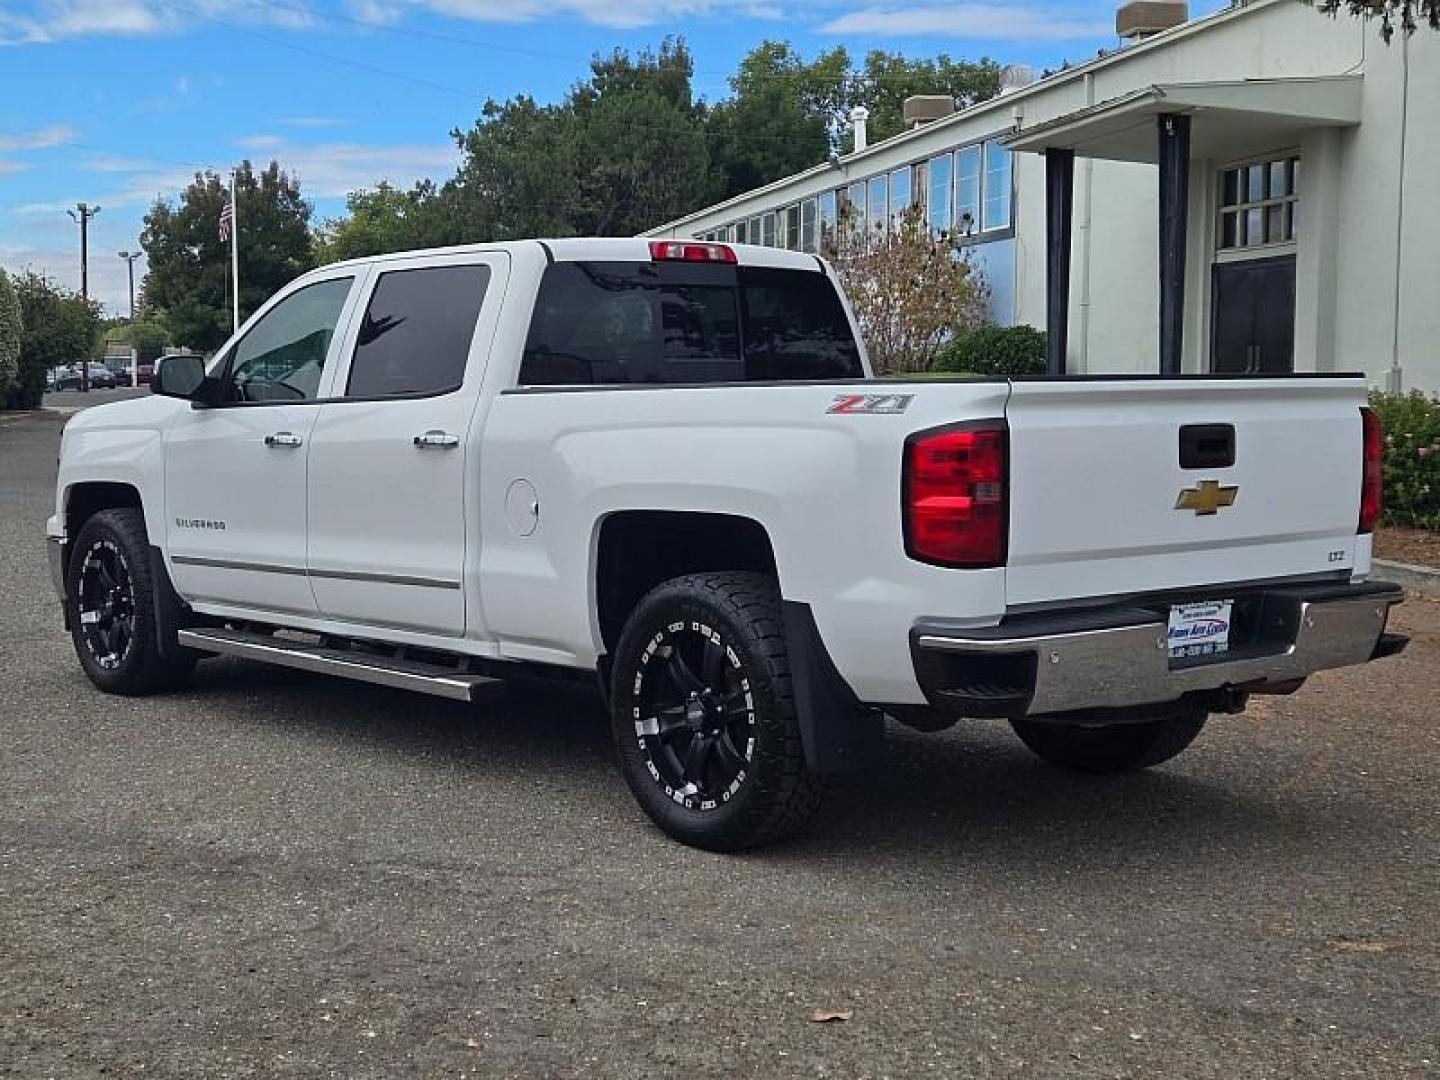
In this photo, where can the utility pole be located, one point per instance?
(130, 257)
(82, 214)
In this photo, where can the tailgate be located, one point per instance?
(1096, 475)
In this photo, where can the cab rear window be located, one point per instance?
(599, 323)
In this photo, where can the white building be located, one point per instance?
(1304, 152)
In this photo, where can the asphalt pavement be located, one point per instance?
(277, 874)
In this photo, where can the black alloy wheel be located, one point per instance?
(696, 723)
(703, 713)
(110, 596)
(105, 604)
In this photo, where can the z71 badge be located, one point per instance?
(883, 404)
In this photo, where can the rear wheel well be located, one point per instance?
(639, 549)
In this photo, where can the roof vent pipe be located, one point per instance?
(858, 115)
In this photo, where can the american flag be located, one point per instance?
(227, 221)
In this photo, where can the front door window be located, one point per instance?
(282, 357)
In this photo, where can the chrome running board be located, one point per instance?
(397, 672)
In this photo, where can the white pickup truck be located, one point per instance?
(669, 463)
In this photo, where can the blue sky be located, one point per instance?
(117, 102)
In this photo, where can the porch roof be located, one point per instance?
(1227, 117)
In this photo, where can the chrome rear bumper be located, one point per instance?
(1116, 657)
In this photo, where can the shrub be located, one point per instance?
(996, 350)
(911, 290)
(1412, 457)
(10, 330)
(59, 328)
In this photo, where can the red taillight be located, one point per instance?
(1372, 483)
(685, 251)
(955, 491)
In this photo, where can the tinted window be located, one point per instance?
(282, 357)
(415, 336)
(795, 327)
(685, 323)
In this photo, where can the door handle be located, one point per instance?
(437, 438)
(283, 438)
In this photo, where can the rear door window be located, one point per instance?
(685, 323)
(415, 336)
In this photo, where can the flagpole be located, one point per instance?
(234, 256)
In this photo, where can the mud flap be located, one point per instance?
(170, 610)
(840, 733)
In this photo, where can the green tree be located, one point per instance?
(1408, 13)
(147, 337)
(11, 329)
(782, 117)
(188, 284)
(383, 219)
(625, 150)
(59, 327)
(889, 78)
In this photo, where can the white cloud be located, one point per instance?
(29, 22)
(12, 166)
(980, 21)
(333, 170)
(54, 250)
(617, 14)
(40, 139)
(311, 121)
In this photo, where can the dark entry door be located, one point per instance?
(1253, 317)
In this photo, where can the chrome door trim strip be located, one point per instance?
(231, 564)
(386, 579)
(342, 575)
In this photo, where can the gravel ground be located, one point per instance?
(276, 874)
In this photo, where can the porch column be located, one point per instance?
(1174, 211)
(1059, 202)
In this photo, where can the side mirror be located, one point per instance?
(181, 377)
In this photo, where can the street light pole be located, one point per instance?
(130, 257)
(82, 214)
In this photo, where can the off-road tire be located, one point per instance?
(777, 793)
(139, 668)
(1114, 748)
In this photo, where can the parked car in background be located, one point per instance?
(119, 367)
(100, 378)
(144, 372)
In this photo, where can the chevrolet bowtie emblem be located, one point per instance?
(1206, 497)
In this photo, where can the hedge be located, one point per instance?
(1412, 457)
(995, 350)
(10, 332)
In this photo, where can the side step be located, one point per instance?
(402, 674)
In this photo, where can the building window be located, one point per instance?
(767, 229)
(792, 228)
(856, 195)
(997, 187)
(877, 210)
(742, 232)
(1258, 204)
(939, 202)
(755, 234)
(899, 196)
(807, 226)
(967, 190)
(829, 214)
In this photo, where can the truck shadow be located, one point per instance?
(969, 794)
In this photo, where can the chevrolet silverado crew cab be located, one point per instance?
(668, 464)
